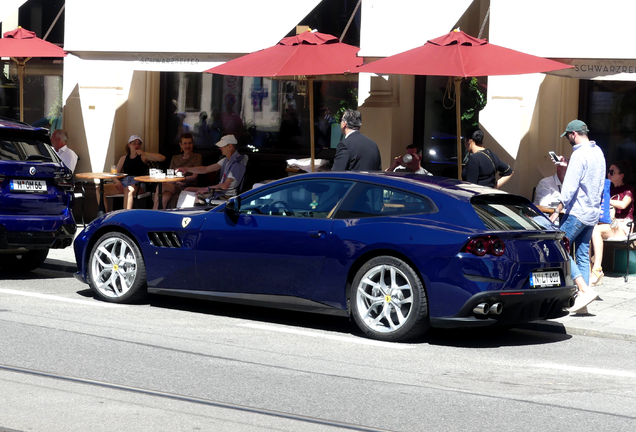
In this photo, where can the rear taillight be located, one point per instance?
(566, 244)
(64, 179)
(483, 245)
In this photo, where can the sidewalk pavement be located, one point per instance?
(612, 316)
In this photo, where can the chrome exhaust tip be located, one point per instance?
(481, 309)
(496, 309)
(570, 302)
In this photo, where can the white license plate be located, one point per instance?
(545, 279)
(28, 185)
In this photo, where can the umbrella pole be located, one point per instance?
(310, 83)
(458, 90)
(20, 65)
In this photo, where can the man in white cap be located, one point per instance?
(231, 166)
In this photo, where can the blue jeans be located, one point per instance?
(580, 236)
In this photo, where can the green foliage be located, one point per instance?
(350, 103)
(473, 100)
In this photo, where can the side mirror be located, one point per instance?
(233, 206)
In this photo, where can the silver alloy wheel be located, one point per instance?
(113, 267)
(384, 298)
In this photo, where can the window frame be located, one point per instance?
(290, 185)
(361, 186)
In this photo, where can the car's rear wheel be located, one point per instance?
(116, 269)
(23, 262)
(388, 300)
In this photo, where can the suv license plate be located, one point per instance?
(545, 279)
(28, 185)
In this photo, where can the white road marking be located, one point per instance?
(62, 299)
(595, 371)
(347, 339)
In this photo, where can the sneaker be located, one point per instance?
(582, 311)
(583, 299)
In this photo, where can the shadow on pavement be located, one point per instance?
(494, 337)
(489, 337)
(43, 272)
(257, 313)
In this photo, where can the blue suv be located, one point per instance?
(36, 197)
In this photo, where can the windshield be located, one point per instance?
(508, 212)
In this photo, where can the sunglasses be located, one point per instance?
(611, 172)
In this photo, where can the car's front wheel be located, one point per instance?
(23, 262)
(388, 301)
(116, 269)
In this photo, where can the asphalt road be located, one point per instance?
(69, 362)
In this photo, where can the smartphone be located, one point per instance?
(554, 157)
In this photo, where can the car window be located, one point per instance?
(311, 198)
(27, 149)
(508, 212)
(368, 200)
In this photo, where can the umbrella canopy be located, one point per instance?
(21, 44)
(306, 54)
(459, 55)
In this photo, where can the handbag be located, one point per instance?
(614, 223)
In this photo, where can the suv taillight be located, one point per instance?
(483, 245)
(64, 179)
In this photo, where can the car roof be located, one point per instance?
(7, 123)
(454, 188)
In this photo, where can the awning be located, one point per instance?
(584, 29)
(163, 31)
(391, 27)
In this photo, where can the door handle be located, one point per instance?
(317, 234)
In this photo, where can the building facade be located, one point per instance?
(137, 68)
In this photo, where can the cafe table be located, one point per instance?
(160, 181)
(101, 177)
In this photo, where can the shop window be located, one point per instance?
(609, 109)
(435, 128)
(265, 115)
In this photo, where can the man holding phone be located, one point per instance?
(580, 198)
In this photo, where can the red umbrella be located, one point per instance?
(459, 55)
(21, 45)
(308, 54)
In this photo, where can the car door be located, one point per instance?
(276, 245)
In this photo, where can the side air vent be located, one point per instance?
(164, 239)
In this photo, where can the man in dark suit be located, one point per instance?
(355, 152)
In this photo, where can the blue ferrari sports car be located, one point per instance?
(400, 253)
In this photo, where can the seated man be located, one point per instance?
(549, 188)
(410, 162)
(232, 171)
(59, 140)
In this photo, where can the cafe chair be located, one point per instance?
(79, 193)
